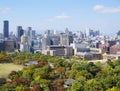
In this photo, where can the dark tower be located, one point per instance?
(20, 32)
(6, 29)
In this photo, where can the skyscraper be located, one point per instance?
(29, 32)
(25, 43)
(66, 39)
(20, 32)
(6, 29)
(87, 32)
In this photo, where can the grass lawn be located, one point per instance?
(6, 68)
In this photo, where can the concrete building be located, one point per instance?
(87, 32)
(2, 46)
(89, 55)
(79, 47)
(66, 39)
(9, 45)
(56, 50)
(45, 42)
(55, 40)
(1, 36)
(20, 32)
(106, 46)
(25, 44)
(33, 34)
(115, 49)
(111, 56)
(37, 43)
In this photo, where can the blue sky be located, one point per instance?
(59, 14)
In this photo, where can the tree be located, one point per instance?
(92, 68)
(93, 85)
(2, 81)
(27, 74)
(108, 70)
(85, 74)
(22, 88)
(14, 75)
(113, 89)
(76, 86)
(60, 71)
(9, 87)
(37, 87)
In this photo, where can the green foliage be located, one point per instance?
(21, 88)
(9, 87)
(113, 89)
(4, 58)
(76, 86)
(93, 85)
(87, 76)
(27, 74)
(14, 74)
(2, 81)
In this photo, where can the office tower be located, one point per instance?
(66, 39)
(29, 31)
(6, 29)
(97, 33)
(9, 45)
(45, 42)
(49, 32)
(20, 32)
(55, 40)
(66, 31)
(33, 33)
(118, 33)
(92, 33)
(25, 43)
(79, 34)
(55, 32)
(87, 32)
(1, 36)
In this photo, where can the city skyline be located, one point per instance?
(54, 14)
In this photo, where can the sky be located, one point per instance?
(76, 15)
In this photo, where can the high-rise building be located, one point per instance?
(55, 40)
(33, 33)
(29, 31)
(25, 43)
(20, 32)
(87, 32)
(45, 42)
(6, 29)
(66, 39)
(66, 31)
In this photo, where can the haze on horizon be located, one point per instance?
(103, 15)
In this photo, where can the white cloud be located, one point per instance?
(62, 16)
(59, 17)
(103, 9)
(4, 10)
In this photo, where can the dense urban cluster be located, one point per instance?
(60, 61)
(47, 73)
(89, 45)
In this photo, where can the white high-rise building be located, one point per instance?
(25, 43)
(87, 32)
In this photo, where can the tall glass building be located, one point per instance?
(6, 29)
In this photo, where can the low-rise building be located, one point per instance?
(115, 49)
(57, 50)
(89, 55)
(9, 45)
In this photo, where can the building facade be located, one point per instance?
(6, 29)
